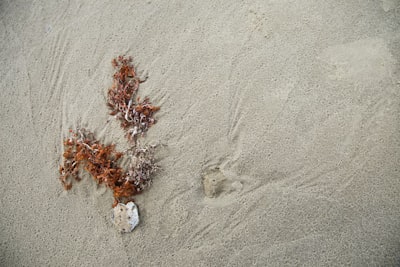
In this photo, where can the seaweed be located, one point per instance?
(136, 116)
(101, 161)
(82, 151)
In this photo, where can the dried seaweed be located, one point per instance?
(141, 167)
(136, 116)
(83, 151)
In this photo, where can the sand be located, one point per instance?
(292, 107)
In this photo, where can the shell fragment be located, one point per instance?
(125, 217)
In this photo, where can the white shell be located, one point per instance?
(125, 217)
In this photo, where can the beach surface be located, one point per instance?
(289, 110)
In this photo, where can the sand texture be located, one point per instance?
(279, 130)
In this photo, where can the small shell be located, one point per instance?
(125, 217)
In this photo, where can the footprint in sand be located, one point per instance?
(217, 185)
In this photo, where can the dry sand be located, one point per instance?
(292, 107)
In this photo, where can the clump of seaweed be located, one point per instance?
(141, 167)
(138, 176)
(83, 151)
(136, 116)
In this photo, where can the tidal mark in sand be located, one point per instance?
(364, 61)
(388, 5)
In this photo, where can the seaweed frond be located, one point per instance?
(135, 116)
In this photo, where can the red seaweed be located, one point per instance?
(82, 151)
(136, 116)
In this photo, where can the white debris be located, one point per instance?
(125, 217)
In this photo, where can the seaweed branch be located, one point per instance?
(136, 116)
(83, 151)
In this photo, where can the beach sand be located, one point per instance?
(290, 107)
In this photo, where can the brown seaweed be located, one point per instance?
(136, 116)
(82, 151)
